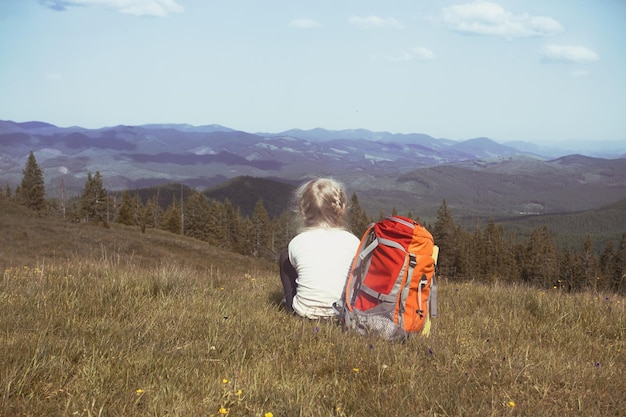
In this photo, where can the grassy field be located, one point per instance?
(113, 322)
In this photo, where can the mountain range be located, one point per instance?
(478, 177)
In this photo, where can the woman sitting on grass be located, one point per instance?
(314, 268)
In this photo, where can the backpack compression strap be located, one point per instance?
(390, 298)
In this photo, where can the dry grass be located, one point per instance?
(110, 322)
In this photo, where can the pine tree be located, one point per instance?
(138, 209)
(171, 218)
(619, 267)
(607, 267)
(8, 192)
(444, 234)
(541, 261)
(476, 251)
(32, 189)
(197, 216)
(246, 245)
(496, 256)
(261, 230)
(125, 210)
(510, 266)
(152, 213)
(216, 229)
(460, 263)
(233, 227)
(283, 230)
(589, 263)
(94, 200)
(568, 271)
(358, 218)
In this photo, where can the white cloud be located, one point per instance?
(486, 18)
(158, 8)
(404, 56)
(423, 54)
(301, 23)
(568, 54)
(419, 53)
(374, 22)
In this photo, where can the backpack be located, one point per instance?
(391, 289)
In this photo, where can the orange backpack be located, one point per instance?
(391, 289)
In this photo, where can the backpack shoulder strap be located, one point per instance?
(361, 252)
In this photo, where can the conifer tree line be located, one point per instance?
(489, 255)
(484, 255)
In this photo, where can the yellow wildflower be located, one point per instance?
(269, 414)
(139, 391)
(511, 404)
(355, 370)
(223, 410)
(224, 381)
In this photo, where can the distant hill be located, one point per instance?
(507, 187)
(485, 148)
(602, 225)
(35, 125)
(245, 192)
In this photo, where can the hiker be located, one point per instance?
(314, 267)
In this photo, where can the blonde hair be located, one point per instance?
(321, 202)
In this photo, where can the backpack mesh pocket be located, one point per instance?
(381, 324)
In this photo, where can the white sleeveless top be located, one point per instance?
(322, 258)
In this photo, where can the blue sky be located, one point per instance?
(543, 71)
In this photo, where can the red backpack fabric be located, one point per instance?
(391, 289)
